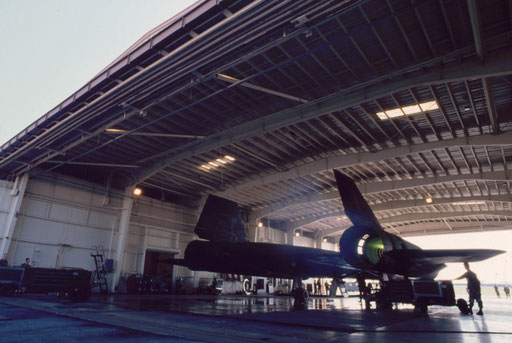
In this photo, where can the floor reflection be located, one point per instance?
(224, 304)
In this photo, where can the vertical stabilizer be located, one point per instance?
(221, 221)
(356, 207)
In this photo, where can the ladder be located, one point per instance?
(100, 276)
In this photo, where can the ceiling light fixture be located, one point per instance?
(469, 202)
(408, 110)
(429, 200)
(137, 191)
(219, 162)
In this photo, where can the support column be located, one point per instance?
(124, 224)
(17, 193)
(290, 237)
(319, 239)
(252, 228)
(196, 279)
(143, 253)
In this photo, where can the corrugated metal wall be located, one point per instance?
(61, 219)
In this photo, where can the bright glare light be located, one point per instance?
(297, 234)
(429, 106)
(325, 240)
(429, 200)
(115, 130)
(408, 110)
(260, 224)
(137, 191)
(219, 162)
(469, 202)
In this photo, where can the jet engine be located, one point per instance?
(369, 248)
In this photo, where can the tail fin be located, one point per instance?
(221, 221)
(356, 207)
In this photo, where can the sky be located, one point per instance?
(51, 48)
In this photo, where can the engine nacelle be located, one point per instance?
(363, 247)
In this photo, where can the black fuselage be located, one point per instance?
(264, 259)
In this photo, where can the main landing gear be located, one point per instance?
(300, 294)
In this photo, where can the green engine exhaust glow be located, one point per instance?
(374, 248)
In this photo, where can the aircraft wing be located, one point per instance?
(356, 207)
(417, 256)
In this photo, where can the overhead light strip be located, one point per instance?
(219, 162)
(408, 110)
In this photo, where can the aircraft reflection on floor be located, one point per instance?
(227, 304)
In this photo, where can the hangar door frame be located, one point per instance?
(167, 250)
(146, 248)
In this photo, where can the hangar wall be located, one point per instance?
(5, 204)
(61, 219)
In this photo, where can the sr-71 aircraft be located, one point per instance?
(364, 248)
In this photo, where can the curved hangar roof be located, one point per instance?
(258, 101)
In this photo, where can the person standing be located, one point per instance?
(506, 289)
(319, 286)
(26, 264)
(473, 289)
(3, 261)
(497, 291)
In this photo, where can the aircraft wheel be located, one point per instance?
(246, 287)
(384, 305)
(463, 306)
(301, 295)
(421, 307)
(9, 290)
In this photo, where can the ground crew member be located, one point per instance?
(473, 289)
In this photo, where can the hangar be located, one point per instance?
(257, 102)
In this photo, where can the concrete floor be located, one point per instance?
(165, 318)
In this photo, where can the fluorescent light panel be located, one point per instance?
(217, 163)
(408, 110)
(469, 202)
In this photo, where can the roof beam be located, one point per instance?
(495, 65)
(434, 227)
(402, 204)
(474, 15)
(151, 134)
(429, 227)
(344, 161)
(233, 80)
(490, 104)
(411, 217)
(112, 165)
(456, 225)
(464, 229)
(385, 186)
